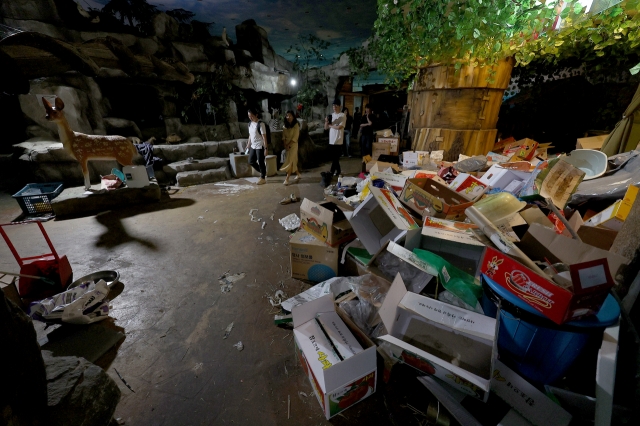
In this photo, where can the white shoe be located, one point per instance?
(261, 182)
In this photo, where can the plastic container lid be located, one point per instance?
(500, 206)
(590, 161)
(608, 314)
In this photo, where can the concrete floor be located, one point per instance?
(170, 255)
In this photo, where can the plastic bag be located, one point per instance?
(452, 299)
(612, 185)
(414, 278)
(473, 164)
(283, 156)
(290, 222)
(453, 279)
(84, 304)
(371, 291)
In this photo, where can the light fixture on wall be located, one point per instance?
(293, 82)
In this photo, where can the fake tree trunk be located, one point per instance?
(457, 113)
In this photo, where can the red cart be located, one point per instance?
(50, 265)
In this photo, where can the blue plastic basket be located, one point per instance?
(32, 202)
(535, 347)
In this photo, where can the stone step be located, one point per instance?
(194, 165)
(198, 177)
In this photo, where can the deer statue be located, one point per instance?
(88, 147)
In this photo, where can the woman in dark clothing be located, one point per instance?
(367, 127)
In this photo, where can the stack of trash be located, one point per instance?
(490, 275)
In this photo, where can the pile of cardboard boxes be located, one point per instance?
(532, 266)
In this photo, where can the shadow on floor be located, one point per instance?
(116, 233)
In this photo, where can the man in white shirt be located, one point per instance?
(336, 136)
(257, 145)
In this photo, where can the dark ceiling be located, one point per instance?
(343, 23)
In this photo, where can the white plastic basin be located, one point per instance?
(590, 161)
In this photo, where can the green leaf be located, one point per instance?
(596, 38)
(635, 70)
(564, 13)
(476, 33)
(577, 8)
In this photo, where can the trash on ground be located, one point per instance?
(290, 222)
(239, 346)
(227, 331)
(124, 381)
(277, 298)
(83, 304)
(227, 281)
(253, 218)
(264, 225)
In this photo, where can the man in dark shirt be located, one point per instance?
(367, 127)
(347, 132)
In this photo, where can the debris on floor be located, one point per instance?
(277, 298)
(227, 331)
(290, 222)
(227, 281)
(239, 346)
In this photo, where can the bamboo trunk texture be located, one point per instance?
(457, 112)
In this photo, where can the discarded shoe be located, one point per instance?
(290, 199)
(262, 181)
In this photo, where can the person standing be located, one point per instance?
(367, 127)
(347, 131)
(290, 135)
(336, 136)
(257, 145)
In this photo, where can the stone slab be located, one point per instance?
(203, 176)
(240, 165)
(75, 201)
(189, 166)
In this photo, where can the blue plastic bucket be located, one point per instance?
(537, 348)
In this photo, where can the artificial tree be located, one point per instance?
(473, 36)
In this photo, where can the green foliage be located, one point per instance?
(309, 51)
(215, 89)
(359, 61)
(410, 34)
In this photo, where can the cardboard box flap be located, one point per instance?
(456, 318)
(441, 191)
(341, 373)
(481, 383)
(342, 225)
(396, 292)
(307, 311)
(317, 211)
(547, 243)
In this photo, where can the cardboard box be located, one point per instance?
(397, 182)
(311, 259)
(526, 399)
(590, 274)
(344, 383)
(456, 242)
(414, 159)
(508, 180)
(381, 165)
(540, 242)
(468, 186)
(455, 345)
(614, 216)
(524, 149)
(393, 143)
(338, 333)
(497, 158)
(326, 222)
(601, 238)
(593, 142)
(380, 218)
(379, 149)
(441, 202)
